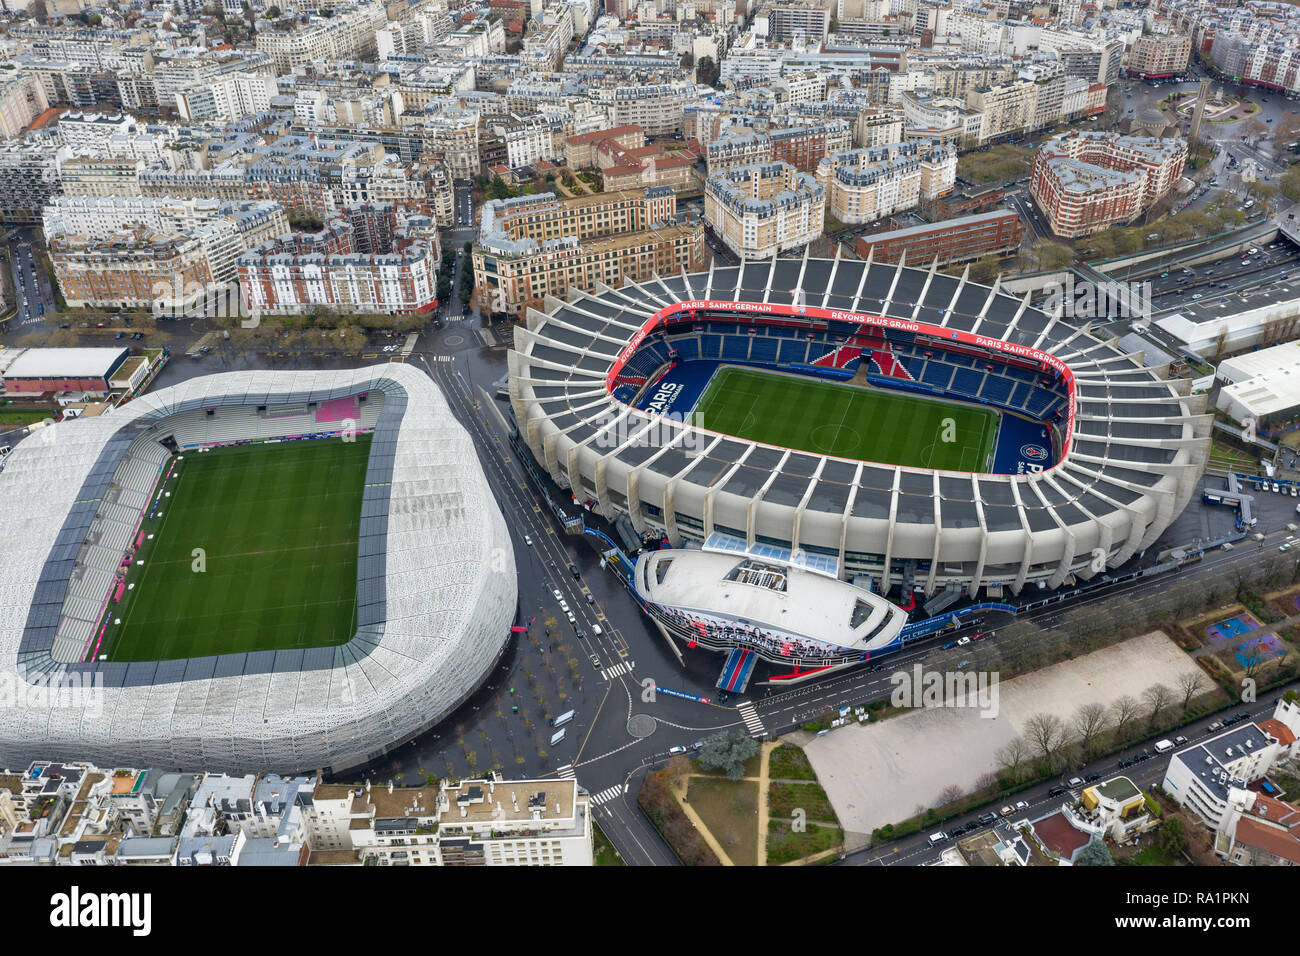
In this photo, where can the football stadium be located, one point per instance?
(913, 432)
(251, 569)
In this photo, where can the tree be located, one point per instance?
(706, 71)
(948, 795)
(38, 11)
(1046, 733)
(1157, 697)
(986, 269)
(1095, 854)
(728, 752)
(1171, 838)
(273, 12)
(1089, 721)
(1124, 711)
(1291, 183)
(1012, 757)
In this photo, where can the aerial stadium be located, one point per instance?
(251, 569)
(913, 432)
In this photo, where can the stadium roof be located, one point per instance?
(434, 601)
(1133, 449)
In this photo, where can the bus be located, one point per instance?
(563, 719)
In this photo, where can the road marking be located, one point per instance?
(750, 716)
(608, 794)
(567, 772)
(616, 670)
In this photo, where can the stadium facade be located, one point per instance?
(436, 591)
(1127, 446)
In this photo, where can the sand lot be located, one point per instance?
(883, 773)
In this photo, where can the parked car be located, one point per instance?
(1091, 777)
(962, 642)
(1058, 790)
(1006, 811)
(1022, 804)
(988, 818)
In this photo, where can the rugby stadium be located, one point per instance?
(250, 569)
(911, 431)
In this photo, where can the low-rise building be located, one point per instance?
(952, 240)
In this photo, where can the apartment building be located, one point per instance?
(656, 108)
(580, 150)
(29, 176)
(787, 20)
(226, 98)
(955, 240)
(1201, 777)
(803, 147)
(347, 35)
(761, 210)
(22, 99)
(134, 268)
(535, 246)
(1159, 55)
(385, 266)
(941, 118)
(91, 133)
(864, 185)
(1085, 181)
(486, 822)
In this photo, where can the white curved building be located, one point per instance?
(786, 615)
(436, 590)
(1120, 453)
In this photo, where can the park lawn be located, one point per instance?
(278, 526)
(834, 418)
(788, 762)
(728, 808)
(785, 845)
(785, 798)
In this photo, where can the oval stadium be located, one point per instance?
(903, 429)
(248, 570)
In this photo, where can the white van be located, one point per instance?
(595, 629)
(1164, 746)
(937, 838)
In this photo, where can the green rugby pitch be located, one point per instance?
(278, 525)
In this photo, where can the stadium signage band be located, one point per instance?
(861, 318)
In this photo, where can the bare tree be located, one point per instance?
(1157, 697)
(1046, 733)
(1124, 711)
(1189, 685)
(1013, 755)
(1088, 722)
(949, 794)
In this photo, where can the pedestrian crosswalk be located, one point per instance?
(608, 794)
(612, 672)
(567, 772)
(750, 716)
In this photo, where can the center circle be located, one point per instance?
(827, 437)
(641, 725)
(454, 340)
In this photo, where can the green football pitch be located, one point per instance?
(833, 418)
(278, 527)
